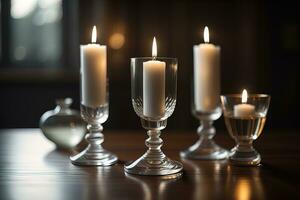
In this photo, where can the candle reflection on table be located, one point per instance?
(245, 187)
(201, 171)
(154, 187)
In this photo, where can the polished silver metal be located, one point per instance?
(206, 148)
(94, 154)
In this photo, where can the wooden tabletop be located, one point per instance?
(31, 168)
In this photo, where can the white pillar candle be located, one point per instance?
(93, 71)
(206, 75)
(244, 109)
(154, 86)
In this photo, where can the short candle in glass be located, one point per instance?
(206, 101)
(94, 104)
(153, 91)
(245, 117)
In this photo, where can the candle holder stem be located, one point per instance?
(95, 139)
(205, 148)
(154, 153)
(154, 161)
(206, 130)
(94, 154)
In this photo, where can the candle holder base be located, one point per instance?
(205, 149)
(154, 161)
(94, 157)
(94, 154)
(146, 166)
(244, 156)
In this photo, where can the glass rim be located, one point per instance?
(249, 96)
(151, 58)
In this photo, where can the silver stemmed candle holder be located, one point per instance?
(153, 90)
(206, 148)
(94, 154)
(206, 101)
(94, 104)
(245, 117)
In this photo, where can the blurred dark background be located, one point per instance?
(39, 53)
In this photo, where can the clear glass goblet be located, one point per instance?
(153, 91)
(205, 148)
(245, 122)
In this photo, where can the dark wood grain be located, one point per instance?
(31, 168)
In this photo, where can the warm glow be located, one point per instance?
(94, 35)
(206, 35)
(154, 48)
(244, 96)
(243, 190)
(116, 40)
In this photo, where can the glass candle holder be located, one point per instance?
(245, 122)
(94, 106)
(94, 154)
(153, 90)
(205, 148)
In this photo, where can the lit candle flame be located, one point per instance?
(206, 35)
(154, 48)
(244, 96)
(94, 34)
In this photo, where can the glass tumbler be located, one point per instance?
(153, 91)
(245, 122)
